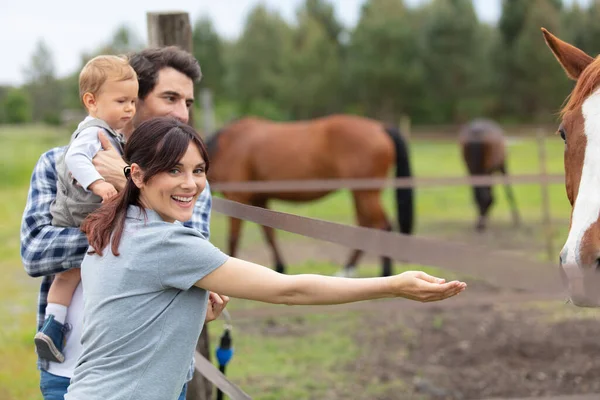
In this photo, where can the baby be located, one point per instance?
(108, 88)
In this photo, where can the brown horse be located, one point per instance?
(580, 129)
(483, 149)
(333, 147)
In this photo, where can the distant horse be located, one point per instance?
(333, 147)
(484, 152)
(580, 130)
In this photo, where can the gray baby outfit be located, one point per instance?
(76, 172)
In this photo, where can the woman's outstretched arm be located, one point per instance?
(246, 280)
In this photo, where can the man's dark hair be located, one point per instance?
(148, 62)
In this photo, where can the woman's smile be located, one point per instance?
(173, 193)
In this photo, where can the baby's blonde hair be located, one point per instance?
(102, 68)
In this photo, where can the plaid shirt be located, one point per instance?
(47, 250)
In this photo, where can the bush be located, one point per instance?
(17, 107)
(52, 118)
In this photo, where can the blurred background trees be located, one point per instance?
(436, 62)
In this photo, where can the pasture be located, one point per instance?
(385, 350)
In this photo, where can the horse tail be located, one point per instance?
(474, 157)
(404, 196)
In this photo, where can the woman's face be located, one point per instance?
(173, 194)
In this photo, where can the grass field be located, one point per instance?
(269, 366)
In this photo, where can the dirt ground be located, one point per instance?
(474, 349)
(480, 352)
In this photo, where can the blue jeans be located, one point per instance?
(54, 387)
(183, 391)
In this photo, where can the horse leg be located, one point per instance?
(349, 270)
(270, 238)
(369, 213)
(484, 200)
(510, 197)
(235, 227)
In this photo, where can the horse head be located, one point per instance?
(580, 130)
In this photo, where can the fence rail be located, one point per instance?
(370, 183)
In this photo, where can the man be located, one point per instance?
(166, 88)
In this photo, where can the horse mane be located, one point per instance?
(212, 140)
(587, 83)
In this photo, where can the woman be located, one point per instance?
(146, 278)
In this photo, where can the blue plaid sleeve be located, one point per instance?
(201, 217)
(46, 249)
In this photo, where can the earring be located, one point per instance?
(127, 171)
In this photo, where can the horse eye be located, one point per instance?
(563, 134)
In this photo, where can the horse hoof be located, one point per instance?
(480, 227)
(347, 272)
(280, 268)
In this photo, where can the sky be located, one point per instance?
(71, 27)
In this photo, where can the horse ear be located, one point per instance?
(572, 59)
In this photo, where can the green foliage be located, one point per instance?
(432, 60)
(453, 56)
(313, 64)
(267, 109)
(535, 92)
(323, 12)
(580, 26)
(16, 107)
(123, 41)
(207, 49)
(385, 69)
(258, 59)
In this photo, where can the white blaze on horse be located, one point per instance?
(580, 129)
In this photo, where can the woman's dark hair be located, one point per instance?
(156, 145)
(147, 64)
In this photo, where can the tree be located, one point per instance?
(539, 86)
(17, 107)
(41, 67)
(207, 48)
(311, 83)
(580, 27)
(515, 14)
(257, 71)
(124, 40)
(323, 13)
(41, 84)
(385, 69)
(452, 54)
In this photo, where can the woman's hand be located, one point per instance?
(419, 286)
(216, 305)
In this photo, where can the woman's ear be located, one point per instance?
(137, 175)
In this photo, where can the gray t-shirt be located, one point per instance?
(142, 314)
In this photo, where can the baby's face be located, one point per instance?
(115, 103)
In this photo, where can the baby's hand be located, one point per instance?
(103, 189)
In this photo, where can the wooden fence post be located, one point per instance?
(167, 29)
(546, 215)
(171, 28)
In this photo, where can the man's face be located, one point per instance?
(172, 96)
